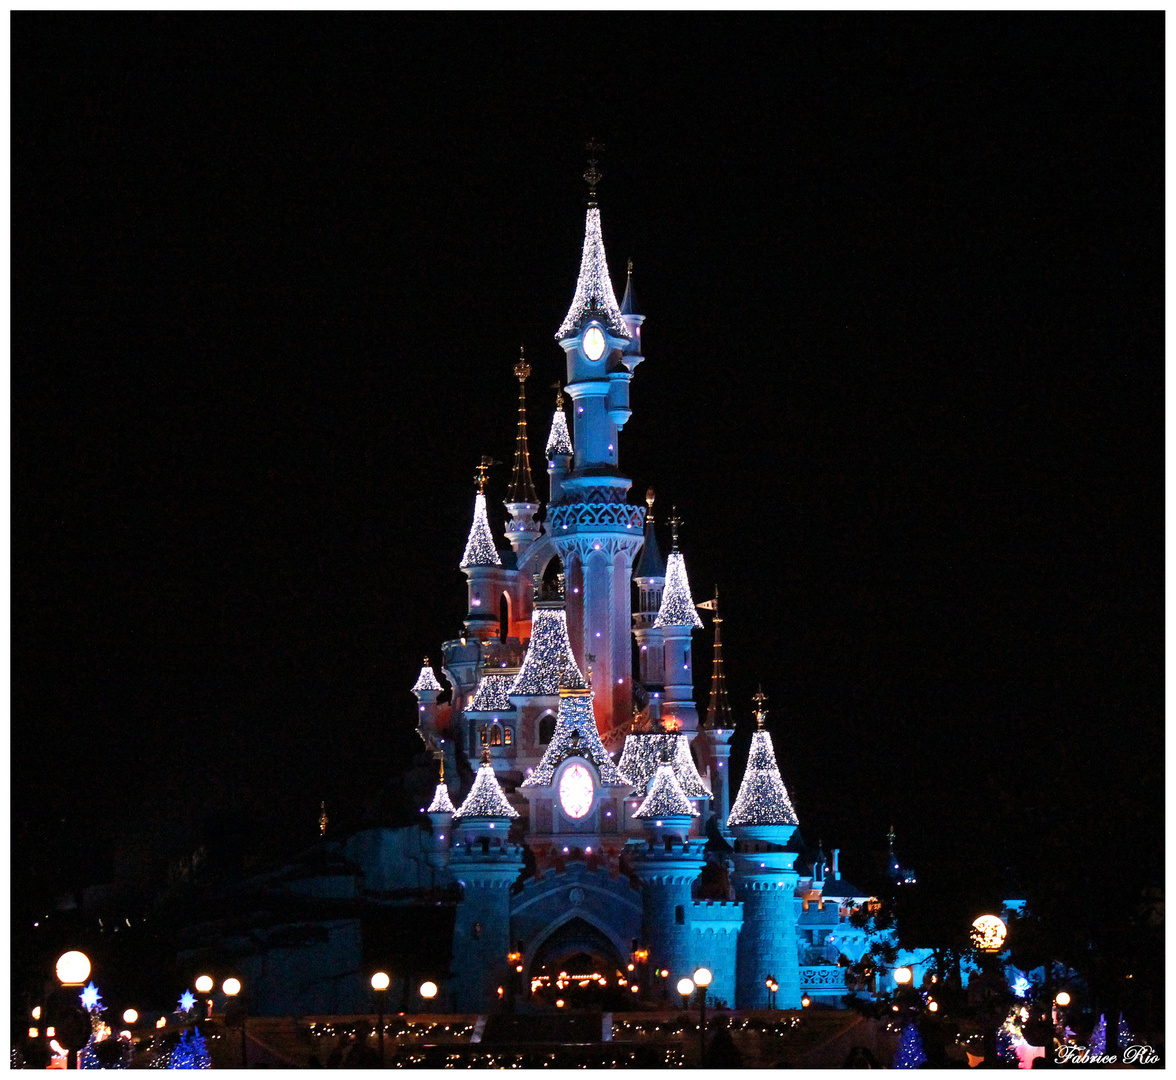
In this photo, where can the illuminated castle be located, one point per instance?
(598, 845)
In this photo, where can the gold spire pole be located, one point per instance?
(481, 471)
(522, 487)
(323, 819)
(675, 523)
(760, 713)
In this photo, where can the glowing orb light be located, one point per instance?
(204, 984)
(428, 990)
(685, 987)
(902, 975)
(988, 933)
(380, 980)
(73, 968)
(1063, 999)
(231, 987)
(702, 977)
(130, 1016)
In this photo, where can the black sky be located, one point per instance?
(903, 279)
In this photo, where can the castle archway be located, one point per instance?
(580, 965)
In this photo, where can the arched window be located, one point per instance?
(495, 735)
(503, 618)
(546, 729)
(507, 736)
(680, 915)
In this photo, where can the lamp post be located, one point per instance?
(685, 988)
(702, 979)
(204, 986)
(71, 1022)
(231, 988)
(380, 983)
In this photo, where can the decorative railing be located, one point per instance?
(822, 977)
(616, 515)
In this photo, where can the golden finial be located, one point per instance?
(593, 176)
(718, 617)
(760, 712)
(630, 268)
(650, 496)
(323, 819)
(439, 757)
(481, 470)
(522, 369)
(675, 523)
(558, 388)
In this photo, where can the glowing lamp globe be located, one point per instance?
(428, 990)
(685, 987)
(380, 980)
(204, 984)
(903, 975)
(73, 968)
(1063, 999)
(702, 977)
(933, 1006)
(231, 987)
(130, 1016)
(805, 1001)
(988, 933)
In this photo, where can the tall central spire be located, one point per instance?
(718, 710)
(522, 488)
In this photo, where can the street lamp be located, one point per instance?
(685, 988)
(204, 986)
(1063, 999)
(380, 983)
(428, 990)
(231, 988)
(73, 968)
(702, 979)
(70, 1021)
(903, 975)
(805, 1001)
(131, 1016)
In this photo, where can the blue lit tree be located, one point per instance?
(910, 1049)
(1098, 1037)
(1125, 1036)
(190, 1052)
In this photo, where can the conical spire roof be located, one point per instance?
(643, 752)
(650, 564)
(549, 655)
(493, 694)
(762, 798)
(677, 606)
(594, 292)
(559, 441)
(426, 680)
(486, 799)
(575, 732)
(522, 488)
(480, 549)
(442, 803)
(666, 797)
(629, 301)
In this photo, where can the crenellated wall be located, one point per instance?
(715, 928)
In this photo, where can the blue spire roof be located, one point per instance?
(650, 564)
(629, 303)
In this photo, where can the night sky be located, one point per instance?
(904, 382)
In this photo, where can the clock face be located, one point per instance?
(575, 791)
(594, 343)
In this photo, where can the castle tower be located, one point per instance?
(487, 581)
(677, 620)
(521, 499)
(559, 450)
(718, 726)
(485, 864)
(650, 576)
(762, 821)
(440, 812)
(595, 531)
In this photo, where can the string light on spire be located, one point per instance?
(762, 799)
(677, 605)
(575, 730)
(426, 680)
(492, 695)
(486, 799)
(549, 655)
(642, 753)
(559, 441)
(666, 797)
(480, 549)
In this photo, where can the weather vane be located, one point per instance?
(482, 469)
(593, 176)
(557, 386)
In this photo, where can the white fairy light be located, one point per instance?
(480, 549)
(642, 754)
(762, 799)
(442, 803)
(593, 286)
(426, 680)
(575, 726)
(677, 605)
(486, 799)
(549, 655)
(559, 441)
(666, 797)
(492, 694)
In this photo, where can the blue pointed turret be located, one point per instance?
(629, 301)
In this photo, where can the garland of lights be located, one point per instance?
(666, 798)
(426, 680)
(492, 695)
(480, 549)
(593, 286)
(677, 606)
(575, 731)
(642, 755)
(762, 799)
(559, 441)
(549, 656)
(486, 799)
(442, 803)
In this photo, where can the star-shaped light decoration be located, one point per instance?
(187, 1001)
(91, 999)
